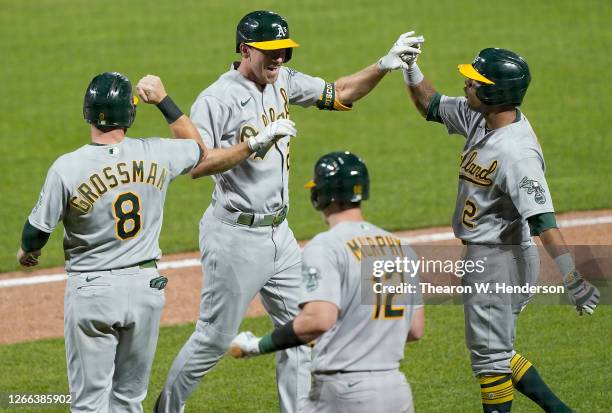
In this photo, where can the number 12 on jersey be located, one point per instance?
(126, 210)
(384, 301)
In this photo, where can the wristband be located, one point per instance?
(413, 76)
(281, 338)
(565, 263)
(169, 109)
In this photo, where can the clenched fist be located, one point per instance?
(151, 89)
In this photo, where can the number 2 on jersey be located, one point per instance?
(388, 311)
(126, 210)
(469, 212)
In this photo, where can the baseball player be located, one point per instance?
(503, 199)
(359, 347)
(110, 195)
(245, 241)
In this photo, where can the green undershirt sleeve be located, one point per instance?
(33, 239)
(433, 111)
(541, 222)
(281, 338)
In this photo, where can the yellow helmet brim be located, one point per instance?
(468, 71)
(274, 44)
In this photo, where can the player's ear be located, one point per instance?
(245, 51)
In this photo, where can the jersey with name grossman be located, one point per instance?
(233, 109)
(501, 176)
(365, 337)
(110, 199)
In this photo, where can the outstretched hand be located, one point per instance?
(403, 53)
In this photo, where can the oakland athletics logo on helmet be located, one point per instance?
(503, 76)
(264, 30)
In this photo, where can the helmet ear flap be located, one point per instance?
(486, 96)
(320, 198)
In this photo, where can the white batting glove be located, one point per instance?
(403, 52)
(245, 344)
(151, 89)
(271, 133)
(582, 294)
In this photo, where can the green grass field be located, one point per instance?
(51, 49)
(571, 353)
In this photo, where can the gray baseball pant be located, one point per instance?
(111, 325)
(238, 262)
(360, 392)
(490, 319)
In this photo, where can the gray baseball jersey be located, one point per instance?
(501, 184)
(110, 199)
(365, 337)
(233, 109)
(226, 113)
(501, 176)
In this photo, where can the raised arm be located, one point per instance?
(420, 89)
(217, 160)
(421, 93)
(353, 87)
(151, 90)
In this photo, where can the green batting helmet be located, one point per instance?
(504, 76)
(339, 177)
(264, 30)
(109, 101)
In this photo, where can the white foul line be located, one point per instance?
(193, 262)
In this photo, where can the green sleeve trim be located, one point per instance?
(281, 338)
(541, 222)
(266, 345)
(433, 111)
(33, 239)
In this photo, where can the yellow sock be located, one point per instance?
(496, 390)
(519, 366)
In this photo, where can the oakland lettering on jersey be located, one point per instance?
(378, 246)
(268, 116)
(99, 183)
(477, 174)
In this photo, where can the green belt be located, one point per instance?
(274, 220)
(144, 264)
(148, 264)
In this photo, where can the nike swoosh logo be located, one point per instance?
(243, 103)
(91, 278)
(353, 384)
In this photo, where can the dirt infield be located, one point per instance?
(31, 312)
